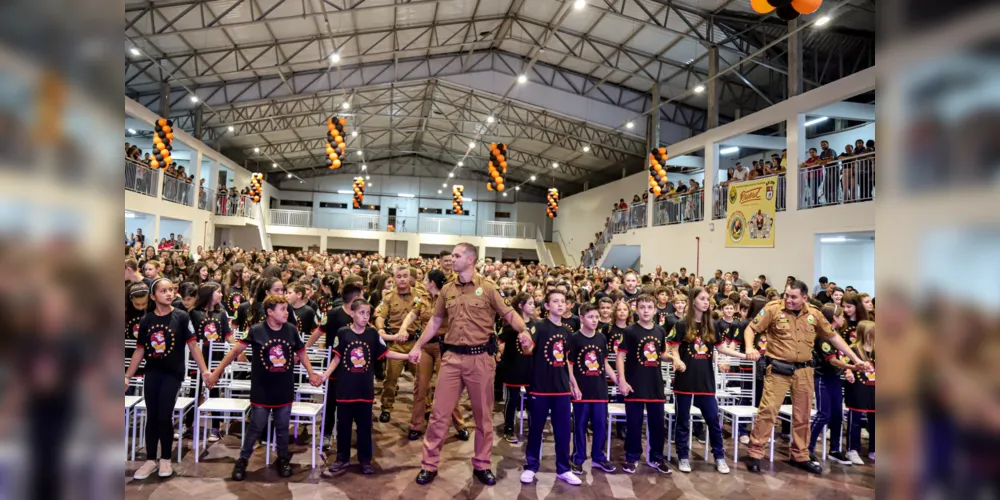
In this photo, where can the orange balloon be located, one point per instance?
(493, 146)
(157, 140)
(761, 6)
(501, 159)
(170, 136)
(339, 139)
(330, 151)
(154, 164)
(341, 146)
(662, 151)
(161, 122)
(166, 129)
(489, 186)
(160, 146)
(656, 191)
(256, 199)
(500, 187)
(167, 159)
(336, 163)
(806, 6)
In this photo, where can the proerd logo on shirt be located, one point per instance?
(359, 362)
(160, 344)
(700, 349)
(277, 359)
(590, 362)
(649, 354)
(558, 353)
(211, 331)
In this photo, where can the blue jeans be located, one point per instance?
(258, 426)
(829, 410)
(584, 414)
(633, 426)
(709, 411)
(540, 408)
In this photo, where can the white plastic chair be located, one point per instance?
(223, 408)
(740, 386)
(181, 406)
(307, 412)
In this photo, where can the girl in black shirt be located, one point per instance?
(239, 279)
(622, 319)
(211, 324)
(693, 343)
(854, 313)
(515, 364)
(163, 335)
(860, 395)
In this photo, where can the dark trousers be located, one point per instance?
(360, 415)
(593, 415)
(633, 426)
(160, 393)
(854, 430)
(709, 411)
(541, 406)
(512, 405)
(829, 411)
(330, 415)
(258, 426)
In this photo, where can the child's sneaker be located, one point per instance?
(605, 466)
(721, 466)
(630, 467)
(576, 468)
(146, 470)
(165, 469)
(214, 436)
(662, 467)
(854, 458)
(528, 476)
(570, 478)
(744, 439)
(684, 465)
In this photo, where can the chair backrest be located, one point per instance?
(739, 383)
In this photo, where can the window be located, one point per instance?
(435, 211)
(325, 204)
(503, 215)
(372, 208)
(296, 203)
(452, 212)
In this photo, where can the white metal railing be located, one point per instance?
(400, 224)
(178, 190)
(544, 255)
(206, 197)
(499, 229)
(140, 178)
(439, 225)
(847, 180)
(679, 209)
(292, 218)
(235, 206)
(632, 217)
(365, 222)
(720, 197)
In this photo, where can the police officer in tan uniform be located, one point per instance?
(791, 327)
(470, 304)
(396, 305)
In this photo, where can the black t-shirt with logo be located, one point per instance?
(272, 372)
(305, 319)
(823, 352)
(133, 317)
(670, 321)
(548, 361)
(850, 331)
(241, 320)
(661, 315)
(572, 322)
(642, 349)
(234, 300)
(334, 320)
(587, 356)
(211, 327)
(163, 339)
(615, 334)
(732, 331)
(355, 373)
(698, 378)
(514, 364)
(860, 396)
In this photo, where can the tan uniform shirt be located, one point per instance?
(471, 308)
(791, 337)
(395, 307)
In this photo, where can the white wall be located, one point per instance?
(533, 213)
(355, 244)
(849, 263)
(294, 241)
(175, 226)
(146, 222)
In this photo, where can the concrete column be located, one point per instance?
(794, 60)
(164, 100)
(711, 177)
(712, 88)
(156, 232)
(381, 245)
(199, 123)
(322, 243)
(652, 142)
(796, 136)
(482, 251)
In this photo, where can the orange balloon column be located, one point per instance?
(163, 142)
(335, 145)
(657, 174)
(456, 199)
(255, 186)
(359, 191)
(497, 167)
(552, 210)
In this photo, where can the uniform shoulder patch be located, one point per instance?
(826, 347)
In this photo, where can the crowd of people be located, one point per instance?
(495, 328)
(825, 183)
(174, 191)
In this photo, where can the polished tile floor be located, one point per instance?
(397, 462)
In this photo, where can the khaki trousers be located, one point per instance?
(430, 362)
(475, 373)
(775, 388)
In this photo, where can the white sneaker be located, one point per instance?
(146, 470)
(528, 477)
(214, 436)
(855, 458)
(721, 466)
(568, 477)
(684, 465)
(165, 469)
(871, 456)
(744, 439)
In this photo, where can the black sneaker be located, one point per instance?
(367, 469)
(812, 457)
(839, 457)
(510, 437)
(425, 477)
(630, 467)
(605, 466)
(414, 435)
(463, 435)
(753, 465)
(662, 467)
(384, 417)
(284, 467)
(240, 470)
(808, 466)
(576, 468)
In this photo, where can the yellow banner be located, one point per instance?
(750, 216)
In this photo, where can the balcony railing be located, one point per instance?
(438, 225)
(848, 180)
(720, 195)
(399, 224)
(178, 190)
(679, 209)
(235, 206)
(292, 218)
(498, 229)
(205, 199)
(632, 217)
(140, 178)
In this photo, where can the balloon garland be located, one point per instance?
(456, 199)
(553, 203)
(359, 191)
(657, 175)
(255, 189)
(787, 10)
(335, 146)
(163, 141)
(497, 166)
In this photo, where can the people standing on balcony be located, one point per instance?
(814, 173)
(740, 172)
(847, 172)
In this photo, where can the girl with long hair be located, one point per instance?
(211, 324)
(515, 365)
(860, 395)
(830, 364)
(199, 273)
(622, 318)
(854, 313)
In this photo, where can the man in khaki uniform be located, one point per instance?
(430, 362)
(791, 328)
(396, 305)
(470, 304)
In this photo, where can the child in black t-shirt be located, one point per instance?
(569, 318)
(515, 364)
(731, 329)
(275, 343)
(860, 395)
(664, 308)
(588, 375)
(640, 381)
(693, 343)
(604, 309)
(333, 320)
(355, 349)
(305, 315)
(549, 390)
(211, 324)
(621, 321)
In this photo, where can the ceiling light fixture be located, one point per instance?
(135, 52)
(472, 144)
(132, 131)
(816, 121)
(505, 195)
(517, 188)
(822, 21)
(532, 177)
(354, 133)
(451, 174)
(444, 185)
(629, 125)
(833, 239)
(522, 78)
(256, 150)
(360, 152)
(407, 195)
(232, 128)
(699, 89)
(335, 58)
(364, 167)
(346, 105)
(555, 165)
(490, 119)
(368, 177)
(586, 149)
(439, 191)
(289, 175)
(729, 151)
(579, 4)
(274, 165)
(344, 191)
(194, 98)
